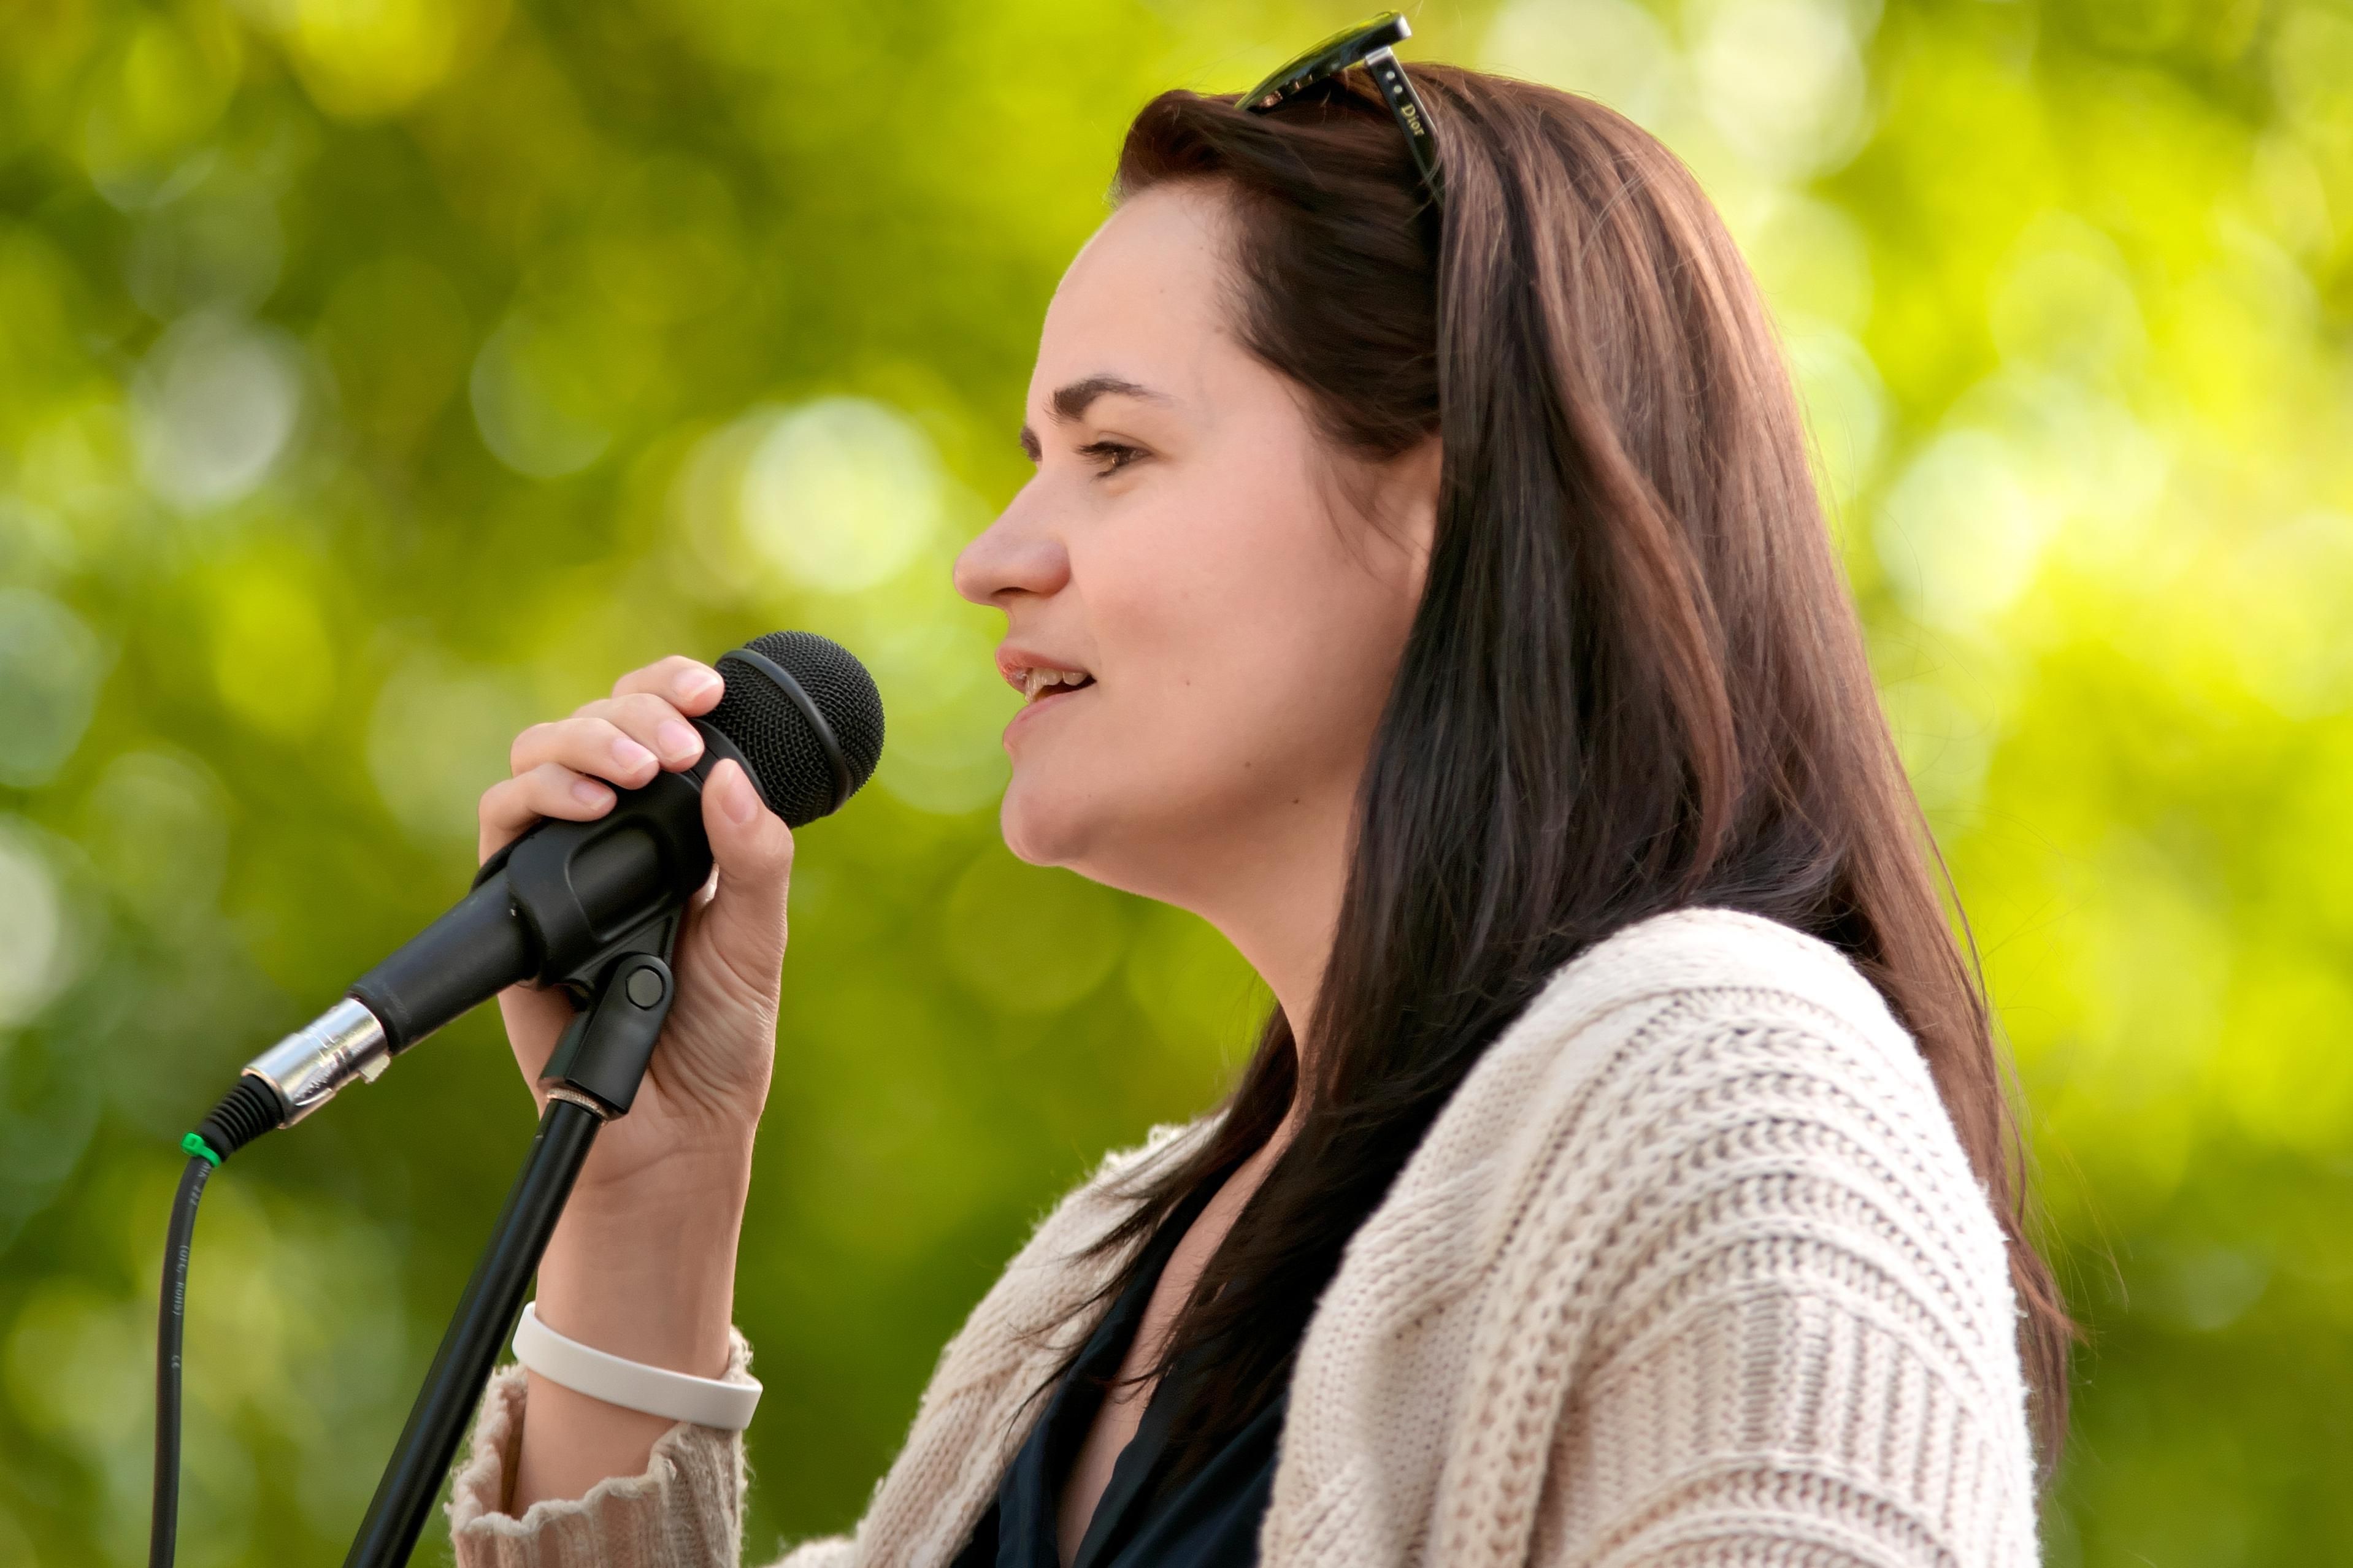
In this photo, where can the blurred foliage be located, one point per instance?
(378, 375)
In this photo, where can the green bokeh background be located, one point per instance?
(379, 375)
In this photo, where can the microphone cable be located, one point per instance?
(247, 1112)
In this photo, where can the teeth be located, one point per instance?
(1034, 682)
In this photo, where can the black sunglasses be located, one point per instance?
(1368, 44)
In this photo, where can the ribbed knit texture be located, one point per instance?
(623, 1519)
(1690, 1271)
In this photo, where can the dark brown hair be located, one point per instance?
(1635, 682)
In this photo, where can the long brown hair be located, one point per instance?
(1635, 682)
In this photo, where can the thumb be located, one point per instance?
(745, 921)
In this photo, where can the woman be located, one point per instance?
(1421, 580)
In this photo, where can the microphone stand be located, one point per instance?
(591, 1078)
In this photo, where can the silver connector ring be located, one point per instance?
(306, 1068)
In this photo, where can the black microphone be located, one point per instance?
(567, 899)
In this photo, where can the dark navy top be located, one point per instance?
(1209, 1520)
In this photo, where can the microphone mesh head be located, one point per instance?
(787, 756)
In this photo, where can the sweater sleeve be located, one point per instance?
(1803, 1346)
(684, 1510)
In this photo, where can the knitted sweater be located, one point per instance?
(1690, 1270)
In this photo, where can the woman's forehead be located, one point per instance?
(1152, 276)
(1159, 257)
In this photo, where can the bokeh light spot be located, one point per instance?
(840, 493)
(50, 667)
(363, 59)
(1959, 533)
(2295, 581)
(164, 87)
(1782, 82)
(74, 1365)
(2064, 299)
(34, 964)
(439, 737)
(213, 407)
(272, 661)
(534, 400)
(154, 827)
(1610, 49)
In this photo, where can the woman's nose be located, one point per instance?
(1015, 554)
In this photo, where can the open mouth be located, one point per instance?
(1041, 684)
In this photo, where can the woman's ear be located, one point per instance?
(1395, 500)
(1409, 502)
(1420, 470)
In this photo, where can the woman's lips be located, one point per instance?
(1053, 699)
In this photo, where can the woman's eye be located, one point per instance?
(1111, 455)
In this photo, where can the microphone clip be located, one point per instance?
(601, 1059)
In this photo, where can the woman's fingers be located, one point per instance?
(548, 789)
(627, 738)
(744, 924)
(687, 685)
(585, 744)
(653, 722)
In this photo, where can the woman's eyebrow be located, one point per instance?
(1070, 402)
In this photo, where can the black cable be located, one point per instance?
(245, 1113)
(170, 1321)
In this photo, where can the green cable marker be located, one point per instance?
(194, 1144)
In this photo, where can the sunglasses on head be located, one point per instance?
(1370, 45)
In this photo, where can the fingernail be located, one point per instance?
(630, 755)
(735, 797)
(679, 741)
(588, 792)
(696, 683)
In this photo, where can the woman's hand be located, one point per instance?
(643, 1264)
(709, 1078)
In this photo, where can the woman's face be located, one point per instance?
(1229, 593)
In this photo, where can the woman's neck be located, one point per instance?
(1279, 904)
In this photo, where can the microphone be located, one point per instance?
(565, 903)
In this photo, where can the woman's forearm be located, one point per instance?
(643, 1264)
(648, 1273)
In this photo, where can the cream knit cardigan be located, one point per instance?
(1691, 1270)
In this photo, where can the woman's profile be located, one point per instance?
(1423, 582)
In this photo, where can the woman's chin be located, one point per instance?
(1036, 827)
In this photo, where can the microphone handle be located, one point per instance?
(554, 907)
(485, 944)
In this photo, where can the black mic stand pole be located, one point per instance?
(590, 1079)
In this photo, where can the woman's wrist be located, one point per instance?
(646, 1270)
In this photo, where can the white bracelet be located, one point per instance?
(632, 1384)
